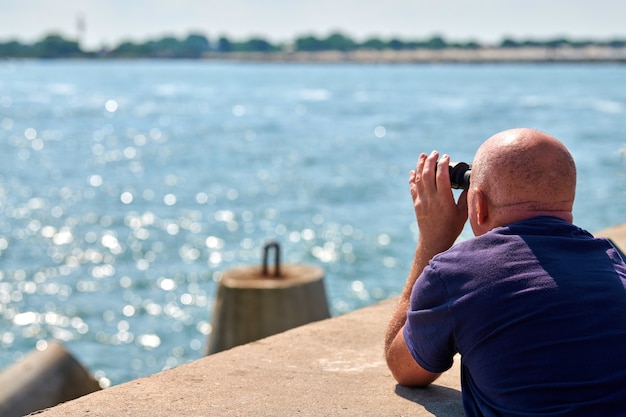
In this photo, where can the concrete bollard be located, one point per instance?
(43, 379)
(254, 302)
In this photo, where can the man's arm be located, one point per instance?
(399, 360)
(440, 221)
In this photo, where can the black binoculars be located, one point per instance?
(460, 175)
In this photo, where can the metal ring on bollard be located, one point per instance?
(266, 250)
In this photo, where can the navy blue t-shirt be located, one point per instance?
(537, 311)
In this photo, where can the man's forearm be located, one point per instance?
(420, 261)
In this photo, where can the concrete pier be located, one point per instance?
(334, 367)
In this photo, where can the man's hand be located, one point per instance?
(440, 220)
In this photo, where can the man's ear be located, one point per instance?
(482, 208)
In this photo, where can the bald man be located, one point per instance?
(535, 306)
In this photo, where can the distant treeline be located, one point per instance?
(197, 45)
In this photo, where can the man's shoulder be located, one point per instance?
(489, 241)
(475, 253)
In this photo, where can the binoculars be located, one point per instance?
(460, 175)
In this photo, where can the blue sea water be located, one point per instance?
(128, 187)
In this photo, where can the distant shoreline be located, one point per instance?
(591, 54)
(486, 55)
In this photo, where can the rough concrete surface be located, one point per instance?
(333, 367)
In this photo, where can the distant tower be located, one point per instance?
(81, 28)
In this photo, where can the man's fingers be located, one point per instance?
(427, 181)
(442, 172)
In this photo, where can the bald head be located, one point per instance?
(525, 171)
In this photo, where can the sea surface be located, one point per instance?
(128, 187)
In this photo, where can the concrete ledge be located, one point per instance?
(333, 367)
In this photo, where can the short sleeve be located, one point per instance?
(428, 331)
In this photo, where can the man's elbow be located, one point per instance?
(403, 367)
(419, 379)
(409, 373)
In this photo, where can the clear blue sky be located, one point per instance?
(108, 22)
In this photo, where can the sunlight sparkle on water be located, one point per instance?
(128, 189)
